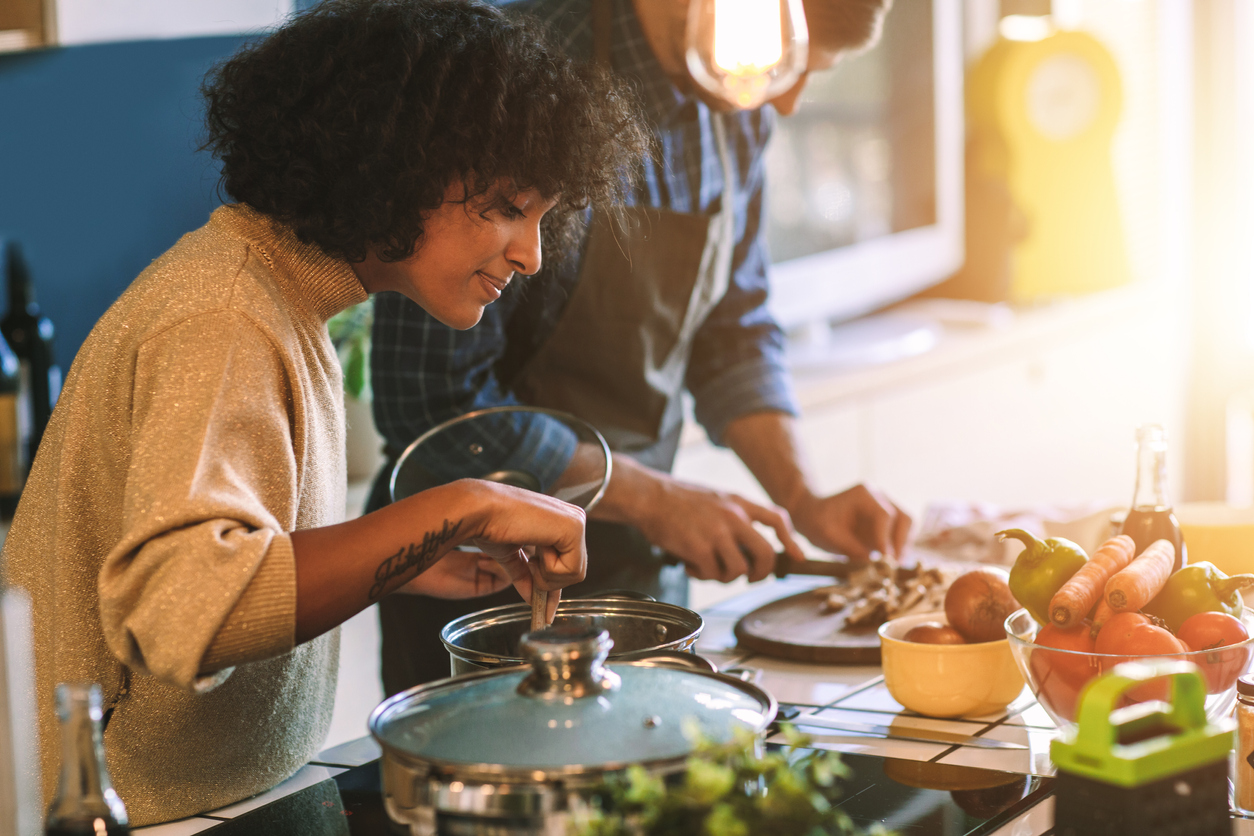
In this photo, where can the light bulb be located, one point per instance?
(1025, 27)
(746, 52)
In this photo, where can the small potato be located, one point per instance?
(933, 632)
(977, 604)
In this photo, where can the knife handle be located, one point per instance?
(786, 565)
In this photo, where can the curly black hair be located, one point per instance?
(349, 122)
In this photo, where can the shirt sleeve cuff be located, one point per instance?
(756, 385)
(545, 449)
(263, 623)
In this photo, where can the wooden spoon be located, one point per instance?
(539, 607)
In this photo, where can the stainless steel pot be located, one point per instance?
(492, 638)
(512, 752)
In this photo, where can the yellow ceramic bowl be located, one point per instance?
(947, 680)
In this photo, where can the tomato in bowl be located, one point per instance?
(1218, 633)
(1057, 664)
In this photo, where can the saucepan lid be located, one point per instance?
(530, 447)
(568, 712)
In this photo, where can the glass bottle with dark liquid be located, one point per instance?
(29, 333)
(1151, 517)
(86, 803)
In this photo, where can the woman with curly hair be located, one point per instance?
(180, 535)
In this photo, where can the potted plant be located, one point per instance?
(350, 334)
(729, 790)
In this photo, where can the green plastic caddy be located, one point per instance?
(1148, 768)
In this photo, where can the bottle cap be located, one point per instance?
(1245, 685)
(1151, 435)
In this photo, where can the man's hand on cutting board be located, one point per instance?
(858, 522)
(713, 533)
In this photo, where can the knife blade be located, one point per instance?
(905, 733)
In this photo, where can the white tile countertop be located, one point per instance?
(857, 694)
(845, 693)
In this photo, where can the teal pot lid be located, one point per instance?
(568, 712)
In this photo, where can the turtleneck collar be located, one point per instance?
(327, 283)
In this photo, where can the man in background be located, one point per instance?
(673, 301)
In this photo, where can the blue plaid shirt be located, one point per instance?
(424, 372)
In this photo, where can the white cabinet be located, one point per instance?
(832, 439)
(1040, 411)
(831, 436)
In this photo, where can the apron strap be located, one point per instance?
(725, 160)
(618, 355)
(725, 219)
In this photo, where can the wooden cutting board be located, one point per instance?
(796, 628)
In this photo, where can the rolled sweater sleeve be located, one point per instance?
(203, 577)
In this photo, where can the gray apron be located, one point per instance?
(618, 355)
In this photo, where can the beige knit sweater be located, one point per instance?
(200, 424)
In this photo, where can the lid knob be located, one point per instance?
(568, 661)
(1245, 685)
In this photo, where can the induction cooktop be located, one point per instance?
(912, 798)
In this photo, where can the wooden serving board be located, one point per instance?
(796, 628)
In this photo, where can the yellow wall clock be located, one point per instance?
(1043, 114)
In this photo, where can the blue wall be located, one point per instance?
(99, 172)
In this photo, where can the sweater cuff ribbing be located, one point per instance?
(263, 623)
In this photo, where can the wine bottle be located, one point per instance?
(85, 803)
(30, 335)
(14, 431)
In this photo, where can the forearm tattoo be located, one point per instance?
(423, 555)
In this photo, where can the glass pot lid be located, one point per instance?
(568, 712)
(531, 447)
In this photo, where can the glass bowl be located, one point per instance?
(1056, 677)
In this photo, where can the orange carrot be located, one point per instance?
(1136, 584)
(1077, 596)
(1101, 614)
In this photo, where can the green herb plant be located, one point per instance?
(729, 789)
(350, 334)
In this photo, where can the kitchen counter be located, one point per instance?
(338, 793)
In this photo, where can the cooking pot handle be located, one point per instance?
(751, 675)
(677, 658)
